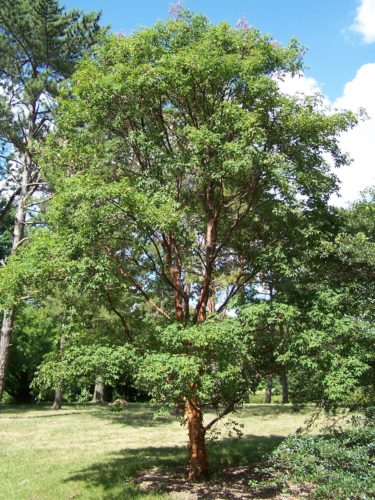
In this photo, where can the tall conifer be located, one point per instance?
(40, 44)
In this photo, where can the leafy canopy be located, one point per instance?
(181, 174)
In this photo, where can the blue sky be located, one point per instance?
(340, 39)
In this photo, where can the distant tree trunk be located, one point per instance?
(18, 238)
(198, 468)
(57, 400)
(285, 386)
(211, 304)
(5, 343)
(98, 396)
(268, 395)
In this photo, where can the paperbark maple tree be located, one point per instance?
(177, 163)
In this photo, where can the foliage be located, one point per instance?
(79, 366)
(325, 349)
(210, 362)
(117, 406)
(183, 178)
(317, 318)
(331, 349)
(352, 255)
(339, 466)
(35, 335)
(7, 399)
(40, 44)
(179, 169)
(6, 222)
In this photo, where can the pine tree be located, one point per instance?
(40, 44)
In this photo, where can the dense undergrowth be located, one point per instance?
(338, 465)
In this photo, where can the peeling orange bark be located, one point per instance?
(198, 467)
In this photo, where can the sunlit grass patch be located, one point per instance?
(89, 451)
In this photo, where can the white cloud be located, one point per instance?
(364, 22)
(359, 143)
(299, 84)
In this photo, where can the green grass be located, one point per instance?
(90, 452)
(258, 398)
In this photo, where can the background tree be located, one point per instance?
(40, 44)
(34, 335)
(327, 346)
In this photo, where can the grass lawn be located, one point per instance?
(90, 452)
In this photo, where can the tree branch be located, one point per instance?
(8, 206)
(120, 316)
(222, 414)
(139, 288)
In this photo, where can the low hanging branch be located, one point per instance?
(222, 414)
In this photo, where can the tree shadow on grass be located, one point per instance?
(133, 473)
(241, 452)
(269, 410)
(134, 415)
(16, 411)
(116, 474)
(8, 409)
(148, 415)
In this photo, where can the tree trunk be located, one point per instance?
(197, 446)
(57, 400)
(285, 386)
(173, 258)
(210, 250)
(5, 343)
(211, 304)
(18, 235)
(98, 396)
(268, 395)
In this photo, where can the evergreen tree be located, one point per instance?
(40, 44)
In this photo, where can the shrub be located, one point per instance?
(340, 465)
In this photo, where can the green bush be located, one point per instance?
(7, 399)
(339, 466)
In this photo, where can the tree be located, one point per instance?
(179, 168)
(351, 255)
(324, 315)
(34, 336)
(40, 44)
(99, 395)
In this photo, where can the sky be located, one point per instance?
(340, 60)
